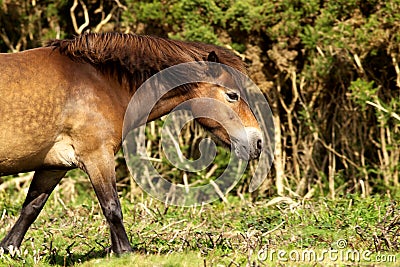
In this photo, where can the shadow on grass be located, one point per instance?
(57, 258)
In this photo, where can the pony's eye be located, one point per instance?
(232, 96)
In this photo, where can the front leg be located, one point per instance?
(100, 167)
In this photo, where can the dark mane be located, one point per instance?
(134, 58)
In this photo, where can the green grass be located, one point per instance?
(71, 231)
(190, 259)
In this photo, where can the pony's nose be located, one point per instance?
(259, 146)
(255, 142)
(248, 145)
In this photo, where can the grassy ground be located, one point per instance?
(71, 230)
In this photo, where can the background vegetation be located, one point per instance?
(330, 70)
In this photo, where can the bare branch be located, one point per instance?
(397, 69)
(73, 18)
(86, 14)
(7, 42)
(379, 106)
(120, 5)
(346, 159)
(105, 20)
(218, 191)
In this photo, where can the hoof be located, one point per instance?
(119, 251)
(11, 250)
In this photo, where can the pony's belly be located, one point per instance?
(21, 151)
(12, 164)
(24, 157)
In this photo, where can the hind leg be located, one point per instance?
(40, 189)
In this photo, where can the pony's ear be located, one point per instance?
(215, 71)
(212, 57)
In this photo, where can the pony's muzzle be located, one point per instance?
(254, 137)
(249, 145)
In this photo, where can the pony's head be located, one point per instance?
(221, 108)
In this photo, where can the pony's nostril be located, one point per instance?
(259, 144)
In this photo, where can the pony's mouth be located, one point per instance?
(247, 144)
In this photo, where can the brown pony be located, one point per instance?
(62, 107)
